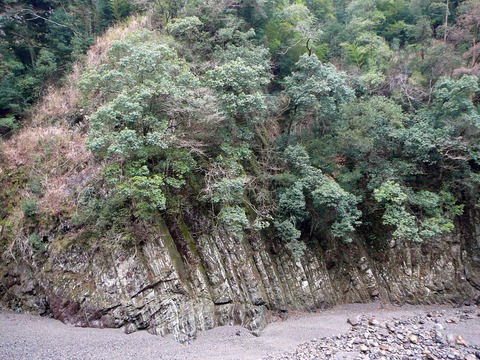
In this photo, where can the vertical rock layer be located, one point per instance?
(174, 281)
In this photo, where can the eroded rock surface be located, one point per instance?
(177, 282)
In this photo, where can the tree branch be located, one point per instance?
(31, 12)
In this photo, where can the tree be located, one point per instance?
(148, 99)
(364, 16)
(307, 192)
(435, 215)
(291, 31)
(321, 9)
(367, 125)
(467, 29)
(372, 54)
(240, 82)
(120, 9)
(14, 95)
(444, 136)
(398, 18)
(38, 41)
(317, 92)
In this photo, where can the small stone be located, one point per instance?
(129, 328)
(470, 357)
(363, 348)
(256, 333)
(391, 327)
(460, 340)
(413, 339)
(384, 348)
(353, 321)
(373, 322)
(450, 340)
(438, 326)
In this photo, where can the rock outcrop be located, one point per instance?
(178, 279)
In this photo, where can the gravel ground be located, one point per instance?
(302, 336)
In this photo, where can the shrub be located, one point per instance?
(30, 207)
(38, 246)
(234, 220)
(432, 217)
(306, 191)
(7, 125)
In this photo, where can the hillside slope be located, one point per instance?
(170, 185)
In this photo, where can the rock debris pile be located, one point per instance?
(416, 337)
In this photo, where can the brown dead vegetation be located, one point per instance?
(60, 102)
(54, 156)
(52, 151)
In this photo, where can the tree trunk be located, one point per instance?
(446, 22)
(93, 16)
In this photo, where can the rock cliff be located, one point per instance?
(186, 275)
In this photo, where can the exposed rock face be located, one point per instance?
(175, 282)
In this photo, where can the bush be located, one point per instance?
(306, 192)
(433, 215)
(234, 220)
(30, 207)
(38, 246)
(7, 125)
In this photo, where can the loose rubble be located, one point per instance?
(415, 337)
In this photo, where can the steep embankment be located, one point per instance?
(183, 271)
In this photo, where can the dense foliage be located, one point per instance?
(38, 42)
(303, 119)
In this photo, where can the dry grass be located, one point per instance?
(52, 144)
(53, 153)
(59, 103)
(59, 190)
(19, 243)
(56, 156)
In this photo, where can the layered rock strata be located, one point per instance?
(180, 279)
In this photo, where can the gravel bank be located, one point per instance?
(302, 336)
